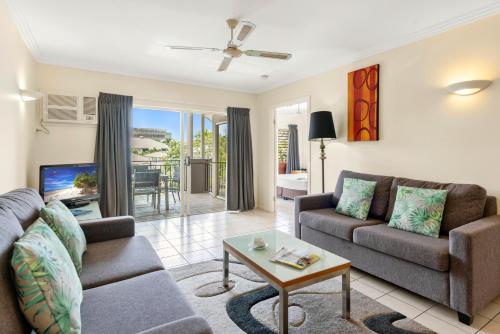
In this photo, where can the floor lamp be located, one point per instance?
(321, 128)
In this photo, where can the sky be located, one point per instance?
(160, 119)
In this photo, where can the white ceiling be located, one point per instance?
(126, 36)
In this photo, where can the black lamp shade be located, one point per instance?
(321, 126)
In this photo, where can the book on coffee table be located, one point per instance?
(294, 258)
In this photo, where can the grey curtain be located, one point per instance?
(293, 159)
(240, 192)
(112, 154)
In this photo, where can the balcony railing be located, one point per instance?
(171, 168)
(221, 178)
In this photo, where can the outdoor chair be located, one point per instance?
(147, 183)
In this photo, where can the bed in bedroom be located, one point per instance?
(290, 185)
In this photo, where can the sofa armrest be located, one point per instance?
(311, 202)
(189, 325)
(475, 264)
(108, 228)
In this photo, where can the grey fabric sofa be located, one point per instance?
(126, 288)
(460, 269)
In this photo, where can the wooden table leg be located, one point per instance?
(225, 280)
(346, 295)
(283, 312)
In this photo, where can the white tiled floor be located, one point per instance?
(180, 241)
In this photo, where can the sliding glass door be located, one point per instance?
(178, 161)
(186, 154)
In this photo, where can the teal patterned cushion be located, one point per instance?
(418, 210)
(48, 289)
(356, 198)
(64, 224)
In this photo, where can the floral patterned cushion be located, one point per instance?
(64, 224)
(418, 210)
(48, 289)
(356, 198)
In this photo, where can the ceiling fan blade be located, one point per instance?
(191, 48)
(268, 54)
(225, 64)
(245, 31)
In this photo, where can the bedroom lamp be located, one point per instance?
(321, 128)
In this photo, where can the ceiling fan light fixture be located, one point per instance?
(233, 46)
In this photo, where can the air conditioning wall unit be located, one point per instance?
(59, 108)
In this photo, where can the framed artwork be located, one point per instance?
(362, 105)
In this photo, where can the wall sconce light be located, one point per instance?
(29, 95)
(468, 87)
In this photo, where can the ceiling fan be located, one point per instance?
(233, 46)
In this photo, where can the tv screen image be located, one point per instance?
(64, 182)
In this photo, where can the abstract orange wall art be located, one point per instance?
(362, 110)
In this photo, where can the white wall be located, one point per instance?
(73, 144)
(425, 132)
(17, 69)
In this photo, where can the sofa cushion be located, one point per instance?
(24, 203)
(331, 222)
(419, 210)
(428, 252)
(380, 199)
(356, 198)
(47, 285)
(114, 260)
(11, 318)
(133, 305)
(464, 202)
(66, 227)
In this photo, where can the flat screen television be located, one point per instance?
(69, 183)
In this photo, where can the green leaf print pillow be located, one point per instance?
(419, 210)
(356, 198)
(48, 289)
(64, 224)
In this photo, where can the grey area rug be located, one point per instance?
(250, 305)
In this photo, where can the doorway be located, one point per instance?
(291, 154)
(174, 163)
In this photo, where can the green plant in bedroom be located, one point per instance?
(86, 182)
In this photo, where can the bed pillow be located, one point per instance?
(48, 289)
(356, 198)
(419, 210)
(66, 227)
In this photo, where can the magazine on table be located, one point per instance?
(295, 258)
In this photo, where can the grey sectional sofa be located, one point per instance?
(460, 269)
(126, 288)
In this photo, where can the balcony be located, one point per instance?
(152, 179)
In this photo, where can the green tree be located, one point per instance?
(173, 150)
(85, 181)
(208, 143)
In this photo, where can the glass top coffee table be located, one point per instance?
(282, 277)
